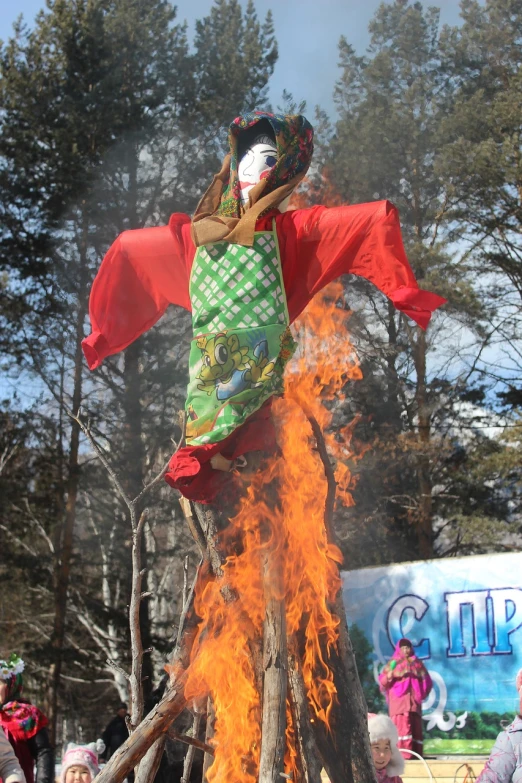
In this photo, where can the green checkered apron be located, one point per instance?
(241, 341)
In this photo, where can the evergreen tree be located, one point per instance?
(109, 125)
(392, 104)
(363, 657)
(481, 163)
(481, 160)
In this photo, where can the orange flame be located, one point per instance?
(289, 531)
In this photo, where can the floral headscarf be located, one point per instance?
(20, 719)
(294, 142)
(220, 215)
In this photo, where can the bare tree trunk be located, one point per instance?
(134, 460)
(64, 550)
(425, 521)
(134, 451)
(135, 678)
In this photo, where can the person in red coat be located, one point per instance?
(24, 724)
(148, 269)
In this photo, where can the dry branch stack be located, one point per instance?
(277, 661)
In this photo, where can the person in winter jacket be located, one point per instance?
(10, 769)
(24, 724)
(387, 757)
(405, 681)
(80, 762)
(505, 761)
(116, 732)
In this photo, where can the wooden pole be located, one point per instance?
(209, 734)
(308, 754)
(363, 768)
(351, 705)
(191, 752)
(151, 761)
(273, 725)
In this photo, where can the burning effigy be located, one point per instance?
(269, 660)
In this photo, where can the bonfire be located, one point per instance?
(265, 655)
(263, 658)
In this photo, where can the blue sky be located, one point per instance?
(307, 31)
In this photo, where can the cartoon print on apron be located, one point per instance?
(242, 339)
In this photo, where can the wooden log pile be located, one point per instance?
(340, 746)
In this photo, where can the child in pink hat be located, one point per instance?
(80, 762)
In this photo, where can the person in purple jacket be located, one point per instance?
(505, 761)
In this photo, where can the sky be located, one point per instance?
(307, 32)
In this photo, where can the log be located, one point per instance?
(193, 524)
(212, 521)
(346, 676)
(209, 734)
(363, 768)
(273, 725)
(308, 754)
(151, 761)
(198, 744)
(191, 752)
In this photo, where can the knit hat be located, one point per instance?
(82, 755)
(382, 727)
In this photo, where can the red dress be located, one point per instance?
(146, 270)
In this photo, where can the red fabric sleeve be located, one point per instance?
(319, 244)
(142, 273)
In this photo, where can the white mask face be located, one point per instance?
(255, 164)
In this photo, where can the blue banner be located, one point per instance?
(464, 618)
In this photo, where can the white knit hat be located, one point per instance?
(82, 755)
(382, 727)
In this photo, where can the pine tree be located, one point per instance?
(109, 125)
(392, 105)
(481, 162)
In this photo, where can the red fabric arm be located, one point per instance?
(142, 273)
(319, 244)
